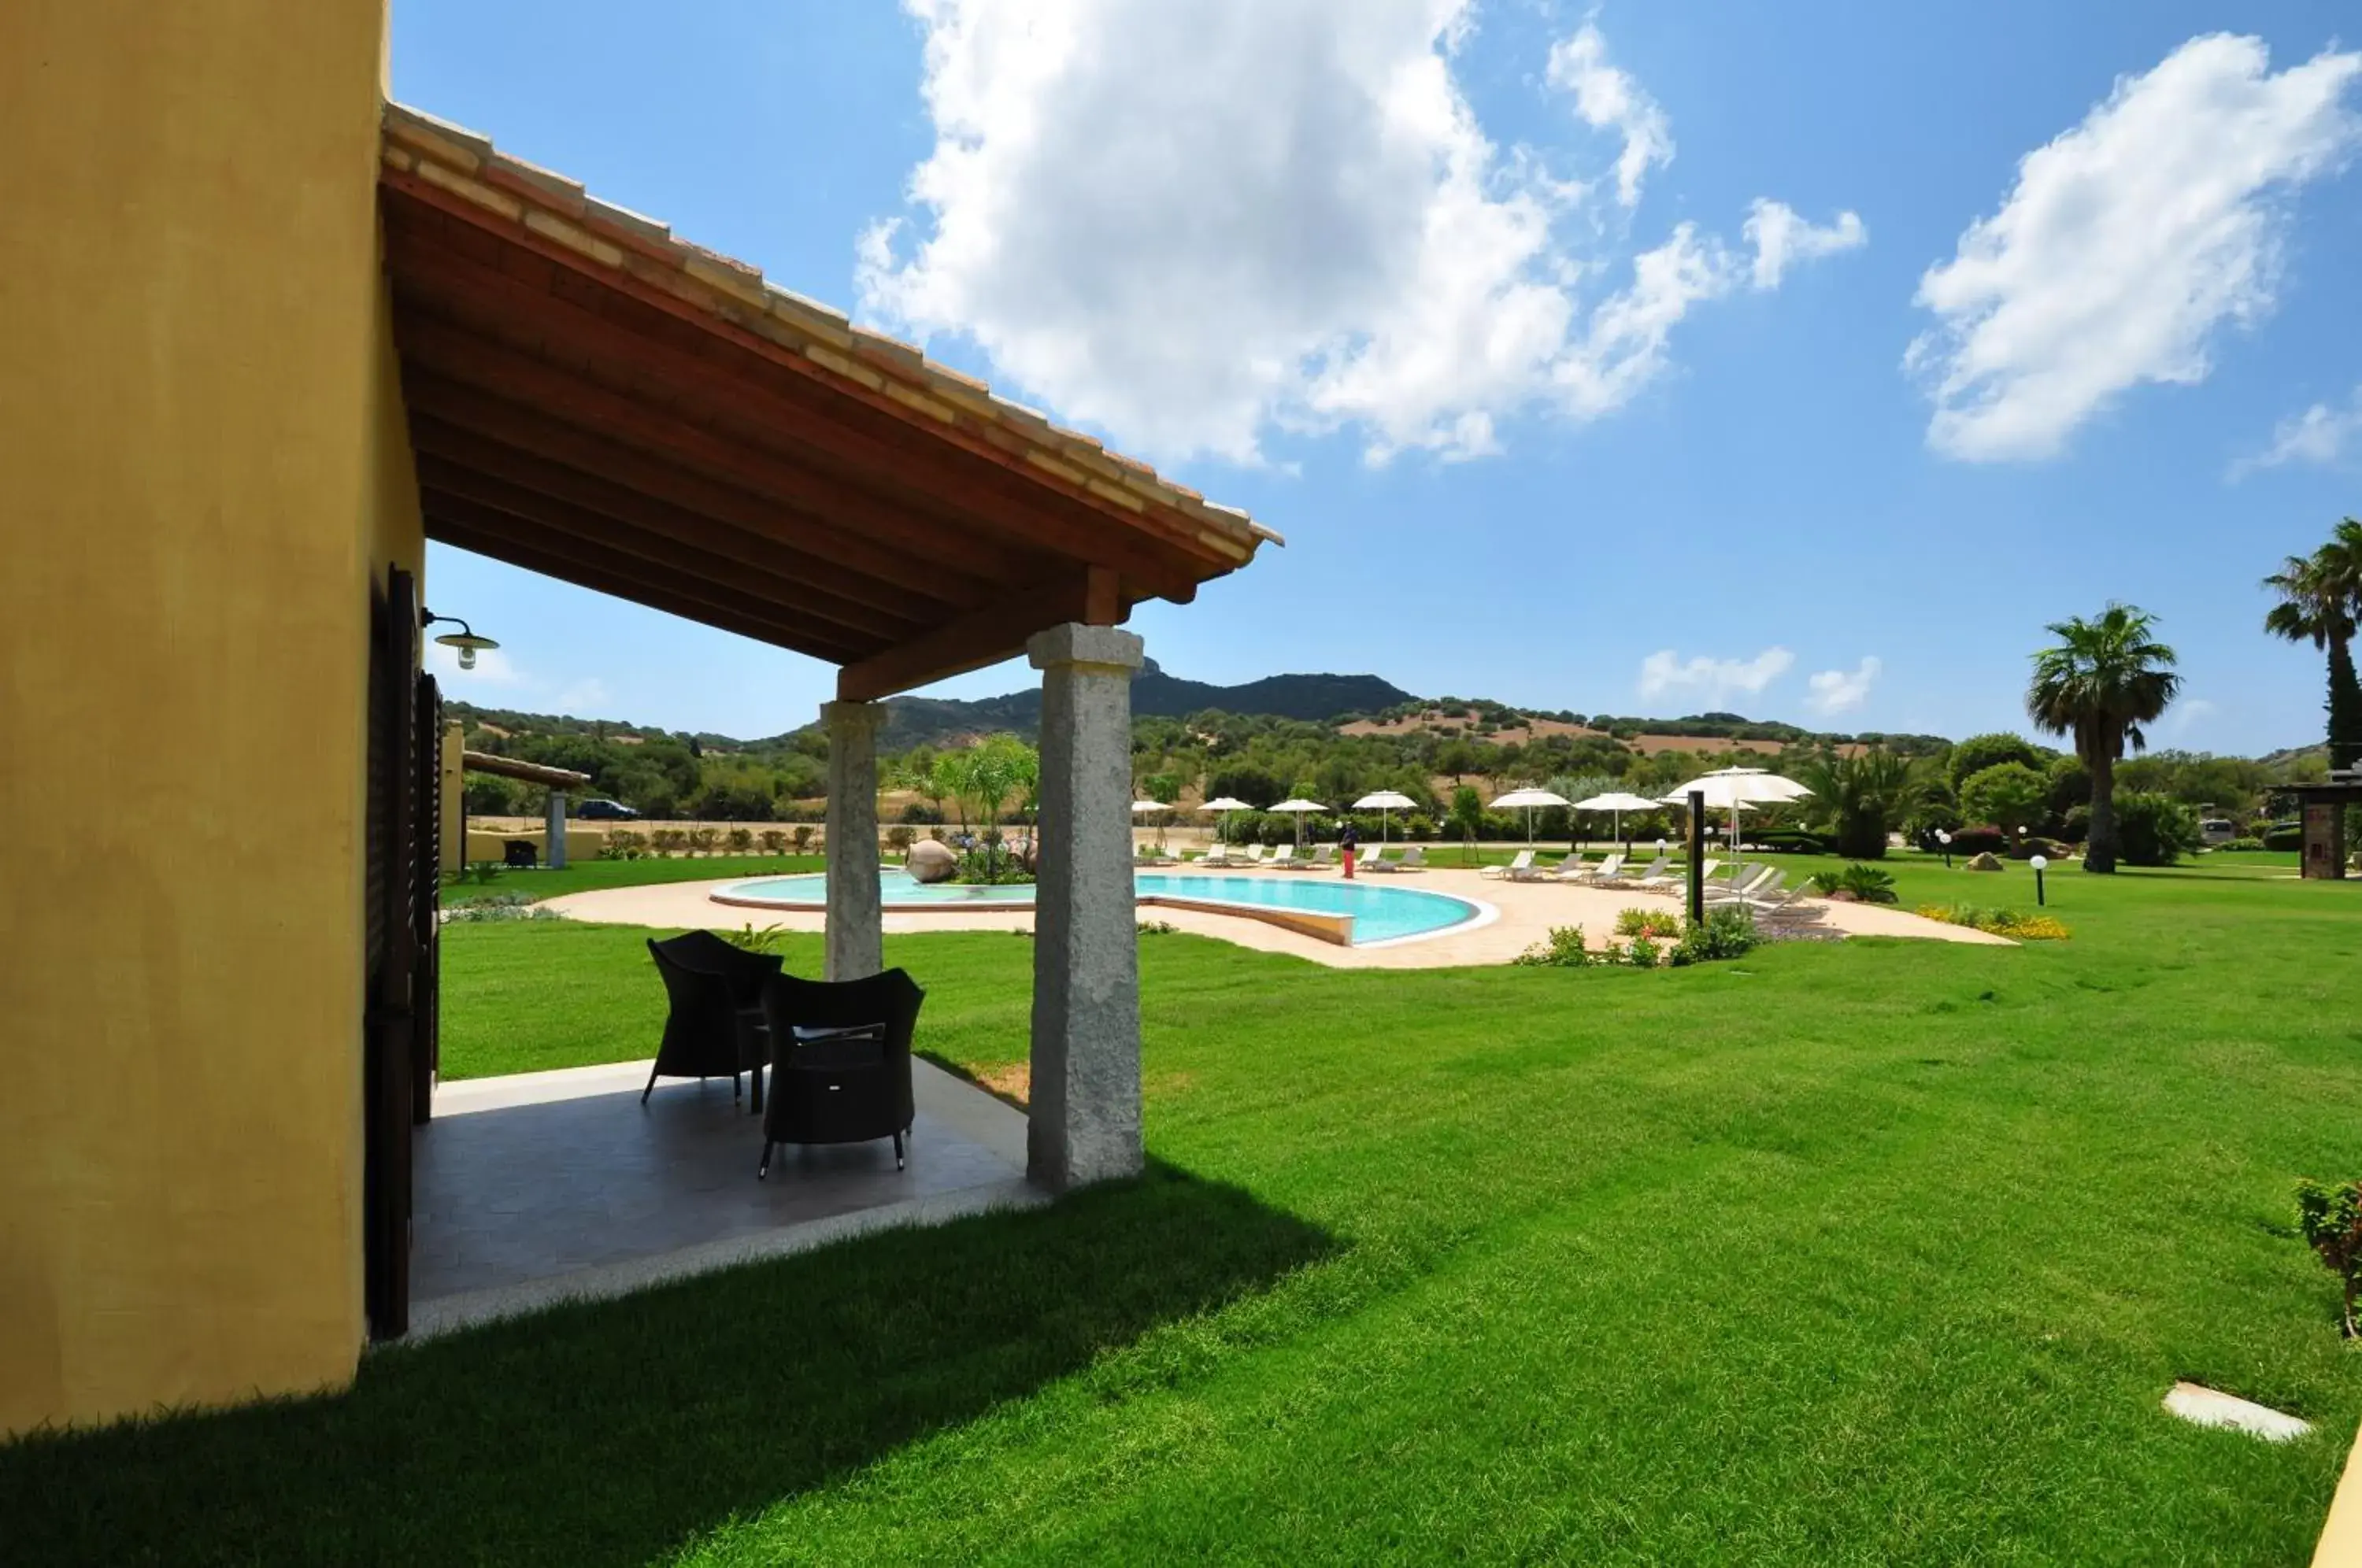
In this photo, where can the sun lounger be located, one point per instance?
(1518, 870)
(1414, 859)
(1606, 871)
(1283, 859)
(1571, 870)
(1757, 888)
(1218, 855)
(1653, 876)
(1255, 855)
(1322, 856)
(1745, 882)
(1372, 859)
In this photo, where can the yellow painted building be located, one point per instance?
(261, 335)
(207, 464)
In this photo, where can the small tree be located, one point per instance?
(2331, 1220)
(775, 841)
(1467, 817)
(742, 839)
(803, 837)
(2010, 795)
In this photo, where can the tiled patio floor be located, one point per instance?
(543, 1186)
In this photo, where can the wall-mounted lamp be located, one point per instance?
(464, 639)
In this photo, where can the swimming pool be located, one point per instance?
(1359, 914)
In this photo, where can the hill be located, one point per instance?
(1311, 698)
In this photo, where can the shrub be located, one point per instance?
(803, 837)
(899, 839)
(1641, 953)
(2242, 844)
(1979, 840)
(703, 840)
(1724, 934)
(1797, 841)
(2331, 1222)
(1648, 922)
(625, 844)
(918, 813)
(747, 938)
(1563, 950)
(2000, 921)
(496, 909)
(742, 839)
(775, 841)
(2284, 835)
(1868, 883)
(2009, 794)
(2153, 829)
(669, 841)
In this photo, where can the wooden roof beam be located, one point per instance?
(988, 635)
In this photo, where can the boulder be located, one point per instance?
(931, 861)
(1987, 861)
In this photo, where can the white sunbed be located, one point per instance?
(1323, 856)
(1518, 870)
(1654, 875)
(1571, 870)
(1413, 860)
(1218, 855)
(1758, 889)
(1605, 871)
(1283, 859)
(1373, 858)
(1255, 855)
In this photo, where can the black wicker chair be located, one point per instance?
(715, 1026)
(842, 1061)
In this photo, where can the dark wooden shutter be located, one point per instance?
(390, 1022)
(425, 869)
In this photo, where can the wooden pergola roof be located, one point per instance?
(591, 399)
(561, 779)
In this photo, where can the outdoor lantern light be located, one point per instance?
(464, 639)
(2038, 863)
(1946, 840)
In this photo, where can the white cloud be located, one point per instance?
(2319, 435)
(1711, 681)
(2188, 714)
(586, 696)
(1607, 98)
(1191, 225)
(2125, 243)
(1780, 238)
(1842, 691)
(494, 667)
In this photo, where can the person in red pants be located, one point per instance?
(1347, 842)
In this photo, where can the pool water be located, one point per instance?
(1381, 914)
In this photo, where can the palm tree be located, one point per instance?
(2103, 680)
(1860, 798)
(2321, 603)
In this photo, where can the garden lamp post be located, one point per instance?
(2039, 863)
(1946, 840)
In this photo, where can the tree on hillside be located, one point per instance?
(2320, 603)
(2099, 683)
(1467, 819)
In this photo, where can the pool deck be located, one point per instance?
(1523, 914)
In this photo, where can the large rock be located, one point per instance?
(1987, 861)
(932, 860)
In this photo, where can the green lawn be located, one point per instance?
(582, 876)
(1856, 1254)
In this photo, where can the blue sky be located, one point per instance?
(1544, 333)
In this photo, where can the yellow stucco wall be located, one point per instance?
(203, 468)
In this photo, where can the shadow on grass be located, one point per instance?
(612, 1433)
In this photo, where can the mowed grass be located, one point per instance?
(1842, 1253)
(584, 876)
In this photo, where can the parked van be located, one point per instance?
(2213, 831)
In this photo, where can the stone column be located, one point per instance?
(1085, 1124)
(856, 940)
(554, 824)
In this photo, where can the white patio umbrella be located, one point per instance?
(1298, 807)
(1529, 800)
(1146, 807)
(1226, 804)
(1732, 788)
(1382, 802)
(1619, 803)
